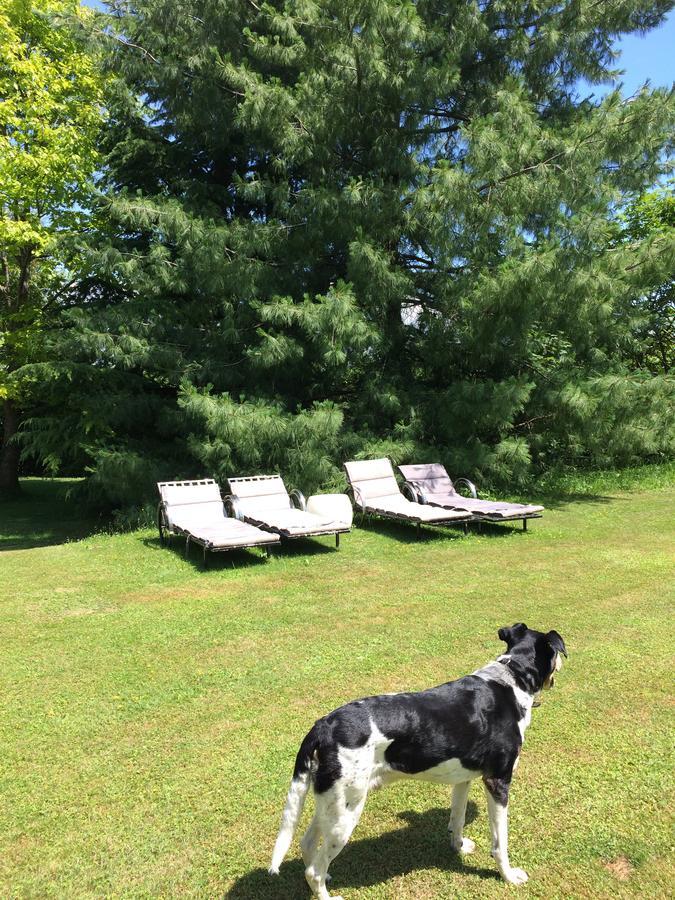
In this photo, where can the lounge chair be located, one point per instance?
(194, 509)
(376, 492)
(263, 500)
(430, 484)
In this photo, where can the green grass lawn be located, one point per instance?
(151, 711)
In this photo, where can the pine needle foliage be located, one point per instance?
(348, 227)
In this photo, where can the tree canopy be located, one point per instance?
(50, 111)
(355, 228)
(653, 216)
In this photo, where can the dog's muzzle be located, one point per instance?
(557, 666)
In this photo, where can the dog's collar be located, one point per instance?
(505, 660)
(507, 672)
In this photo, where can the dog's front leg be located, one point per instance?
(497, 790)
(460, 844)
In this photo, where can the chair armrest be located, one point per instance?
(336, 508)
(163, 525)
(357, 498)
(298, 499)
(162, 520)
(232, 507)
(412, 492)
(471, 486)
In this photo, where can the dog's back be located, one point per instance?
(473, 720)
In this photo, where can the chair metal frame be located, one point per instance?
(166, 528)
(296, 500)
(378, 512)
(413, 490)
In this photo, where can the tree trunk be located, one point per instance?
(9, 451)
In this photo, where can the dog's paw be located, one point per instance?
(468, 846)
(515, 876)
(464, 845)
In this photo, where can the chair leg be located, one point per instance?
(205, 560)
(524, 524)
(418, 531)
(337, 541)
(465, 527)
(187, 546)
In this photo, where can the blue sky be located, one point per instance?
(650, 56)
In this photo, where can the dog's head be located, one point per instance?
(534, 656)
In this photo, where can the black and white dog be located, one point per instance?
(451, 734)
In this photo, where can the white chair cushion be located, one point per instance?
(293, 521)
(260, 493)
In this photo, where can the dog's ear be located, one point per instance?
(557, 643)
(512, 634)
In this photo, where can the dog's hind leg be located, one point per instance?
(310, 841)
(460, 844)
(337, 814)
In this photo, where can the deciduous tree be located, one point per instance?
(50, 111)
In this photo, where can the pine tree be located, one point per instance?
(356, 228)
(653, 346)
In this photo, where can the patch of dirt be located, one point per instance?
(85, 611)
(620, 868)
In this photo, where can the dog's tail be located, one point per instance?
(295, 799)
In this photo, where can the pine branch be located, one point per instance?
(542, 162)
(642, 262)
(528, 423)
(125, 43)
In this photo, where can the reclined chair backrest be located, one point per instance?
(431, 478)
(260, 492)
(198, 500)
(371, 478)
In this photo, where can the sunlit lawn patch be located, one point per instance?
(151, 711)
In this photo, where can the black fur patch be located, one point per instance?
(472, 719)
(499, 788)
(531, 655)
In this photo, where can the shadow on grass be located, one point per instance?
(42, 515)
(560, 501)
(230, 559)
(406, 532)
(244, 558)
(423, 844)
(486, 528)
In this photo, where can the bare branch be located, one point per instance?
(126, 43)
